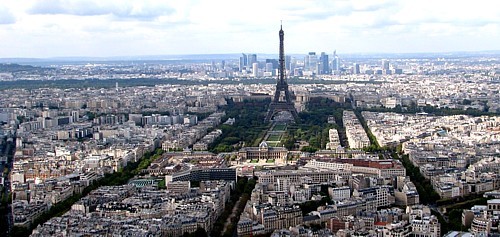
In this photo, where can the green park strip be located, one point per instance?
(279, 127)
(273, 144)
(274, 138)
(247, 130)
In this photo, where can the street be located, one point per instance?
(7, 150)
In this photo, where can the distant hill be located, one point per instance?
(13, 68)
(198, 58)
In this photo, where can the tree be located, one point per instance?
(308, 149)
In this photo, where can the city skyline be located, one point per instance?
(61, 28)
(361, 146)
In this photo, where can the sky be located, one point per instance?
(109, 28)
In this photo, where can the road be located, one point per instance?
(7, 150)
(233, 214)
(438, 210)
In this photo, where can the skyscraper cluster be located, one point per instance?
(312, 65)
(247, 61)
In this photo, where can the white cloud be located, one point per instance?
(6, 16)
(45, 28)
(144, 9)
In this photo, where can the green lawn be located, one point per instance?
(254, 161)
(274, 138)
(279, 127)
(270, 161)
(273, 143)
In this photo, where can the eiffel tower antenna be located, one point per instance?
(281, 104)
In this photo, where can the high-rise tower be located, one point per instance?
(325, 67)
(335, 61)
(282, 101)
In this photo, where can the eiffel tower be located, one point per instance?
(282, 101)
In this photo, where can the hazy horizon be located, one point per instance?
(235, 56)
